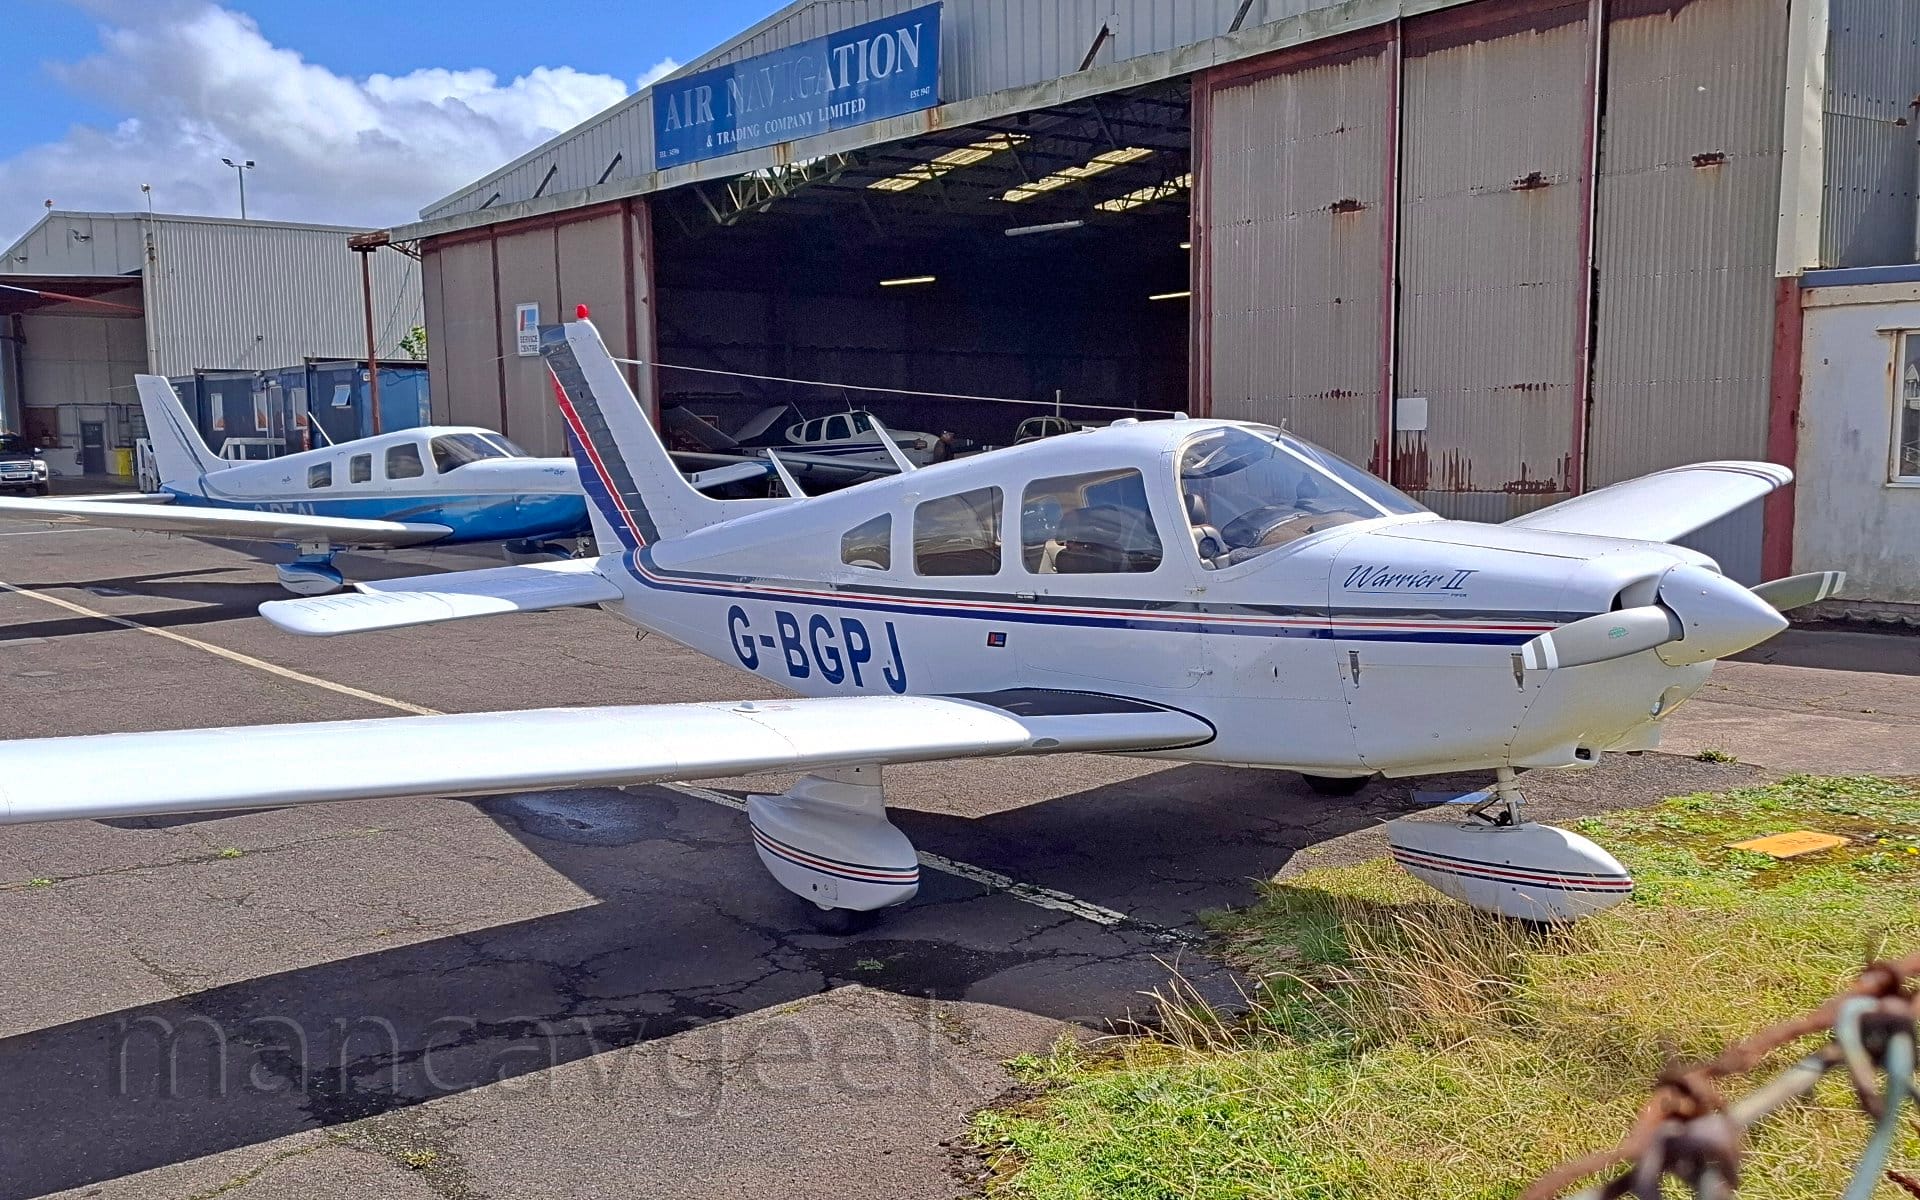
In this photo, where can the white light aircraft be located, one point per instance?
(433, 486)
(1185, 590)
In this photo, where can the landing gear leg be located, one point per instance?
(828, 841)
(1501, 808)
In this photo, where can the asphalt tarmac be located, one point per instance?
(592, 992)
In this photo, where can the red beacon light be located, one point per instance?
(580, 312)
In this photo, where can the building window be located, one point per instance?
(958, 535)
(360, 468)
(1091, 524)
(1906, 411)
(320, 476)
(869, 544)
(403, 461)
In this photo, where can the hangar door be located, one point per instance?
(1494, 177)
(1292, 224)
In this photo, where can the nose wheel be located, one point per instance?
(1500, 863)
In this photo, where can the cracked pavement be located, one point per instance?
(581, 992)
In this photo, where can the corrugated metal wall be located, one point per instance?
(224, 296)
(1297, 167)
(1491, 252)
(986, 46)
(1494, 212)
(70, 243)
(473, 288)
(1684, 316)
(1873, 79)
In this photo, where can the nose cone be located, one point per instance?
(1718, 617)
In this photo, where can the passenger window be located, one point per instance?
(1092, 524)
(839, 428)
(403, 461)
(958, 535)
(811, 431)
(360, 468)
(869, 544)
(320, 476)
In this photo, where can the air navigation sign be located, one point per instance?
(880, 69)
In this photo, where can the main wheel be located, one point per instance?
(1336, 785)
(839, 921)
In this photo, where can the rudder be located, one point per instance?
(634, 490)
(179, 453)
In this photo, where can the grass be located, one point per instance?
(1714, 755)
(1398, 1046)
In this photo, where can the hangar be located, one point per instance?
(1502, 251)
(89, 300)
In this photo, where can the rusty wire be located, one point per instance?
(1688, 1130)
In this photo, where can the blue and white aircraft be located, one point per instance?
(1185, 590)
(433, 486)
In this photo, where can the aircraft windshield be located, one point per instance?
(1251, 490)
(454, 450)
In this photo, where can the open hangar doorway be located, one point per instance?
(1039, 257)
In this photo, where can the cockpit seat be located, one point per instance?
(1104, 538)
(1207, 541)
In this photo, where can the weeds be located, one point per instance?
(1390, 1044)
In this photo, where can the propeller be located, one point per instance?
(1796, 591)
(1602, 637)
(1701, 615)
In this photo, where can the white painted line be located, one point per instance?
(234, 656)
(44, 532)
(1026, 893)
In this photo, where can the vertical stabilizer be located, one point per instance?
(635, 493)
(179, 453)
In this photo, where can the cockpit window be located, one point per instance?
(452, 450)
(1252, 490)
(1091, 524)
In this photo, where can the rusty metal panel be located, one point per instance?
(232, 295)
(529, 274)
(1490, 256)
(1296, 198)
(462, 344)
(1687, 218)
(1873, 78)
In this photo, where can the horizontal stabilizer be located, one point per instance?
(453, 596)
(246, 524)
(210, 770)
(1664, 505)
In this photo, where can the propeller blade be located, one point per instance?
(1719, 616)
(1796, 591)
(1598, 638)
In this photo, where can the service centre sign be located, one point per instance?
(880, 69)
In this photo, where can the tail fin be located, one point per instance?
(178, 451)
(635, 493)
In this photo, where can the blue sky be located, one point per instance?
(102, 95)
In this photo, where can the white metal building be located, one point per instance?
(88, 300)
(1501, 250)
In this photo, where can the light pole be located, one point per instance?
(241, 169)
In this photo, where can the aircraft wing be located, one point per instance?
(209, 770)
(1664, 505)
(247, 524)
(453, 596)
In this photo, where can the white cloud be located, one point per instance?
(198, 82)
